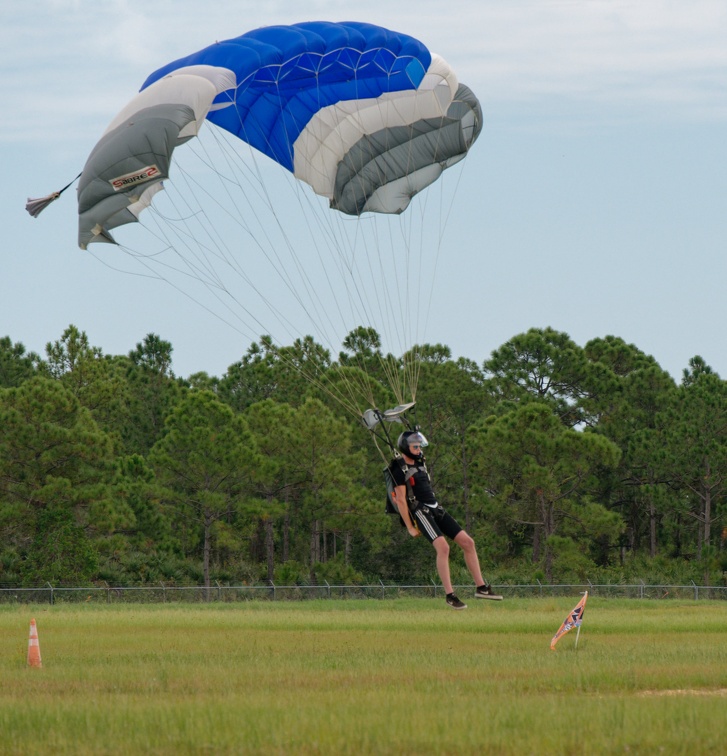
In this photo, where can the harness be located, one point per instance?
(408, 471)
(413, 503)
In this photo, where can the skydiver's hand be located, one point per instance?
(413, 532)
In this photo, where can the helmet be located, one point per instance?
(407, 438)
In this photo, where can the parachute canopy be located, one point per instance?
(366, 116)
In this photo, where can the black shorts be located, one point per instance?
(433, 523)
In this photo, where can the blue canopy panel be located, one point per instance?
(286, 74)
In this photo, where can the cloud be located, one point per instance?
(650, 51)
(75, 62)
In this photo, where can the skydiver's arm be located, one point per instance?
(399, 497)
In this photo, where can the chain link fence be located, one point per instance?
(161, 593)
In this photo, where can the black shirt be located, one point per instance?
(421, 485)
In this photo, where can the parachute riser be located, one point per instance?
(375, 417)
(385, 437)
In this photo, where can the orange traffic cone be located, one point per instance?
(33, 647)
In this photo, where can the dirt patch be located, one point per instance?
(685, 692)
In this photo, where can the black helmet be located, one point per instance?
(407, 438)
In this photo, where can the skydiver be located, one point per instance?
(416, 503)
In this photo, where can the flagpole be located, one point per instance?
(578, 632)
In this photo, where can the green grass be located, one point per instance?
(404, 676)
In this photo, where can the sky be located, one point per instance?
(594, 201)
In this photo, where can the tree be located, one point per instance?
(145, 549)
(277, 475)
(548, 366)
(285, 374)
(206, 459)
(621, 358)
(153, 392)
(16, 365)
(697, 367)
(90, 377)
(154, 354)
(361, 343)
(362, 351)
(331, 494)
(629, 414)
(695, 453)
(530, 461)
(54, 471)
(202, 381)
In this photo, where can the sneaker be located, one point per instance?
(486, 592)
(454, 602)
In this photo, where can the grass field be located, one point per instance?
(402, 676)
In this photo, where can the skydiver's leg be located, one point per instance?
(465, 541)
(442, 548)
(429, 528)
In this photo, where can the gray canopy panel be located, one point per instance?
(384, 170)
(124, 163)
(128, 164)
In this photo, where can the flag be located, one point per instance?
(573, 619)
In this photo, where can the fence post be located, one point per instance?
(435, 588)
(219, 590)
(383, 589)
(328, 587)
(164, 591)
(641, 588)
(51, 592)
(108, 593)
(273, 584)
(696, 590)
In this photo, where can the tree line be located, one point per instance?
(564, 462)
